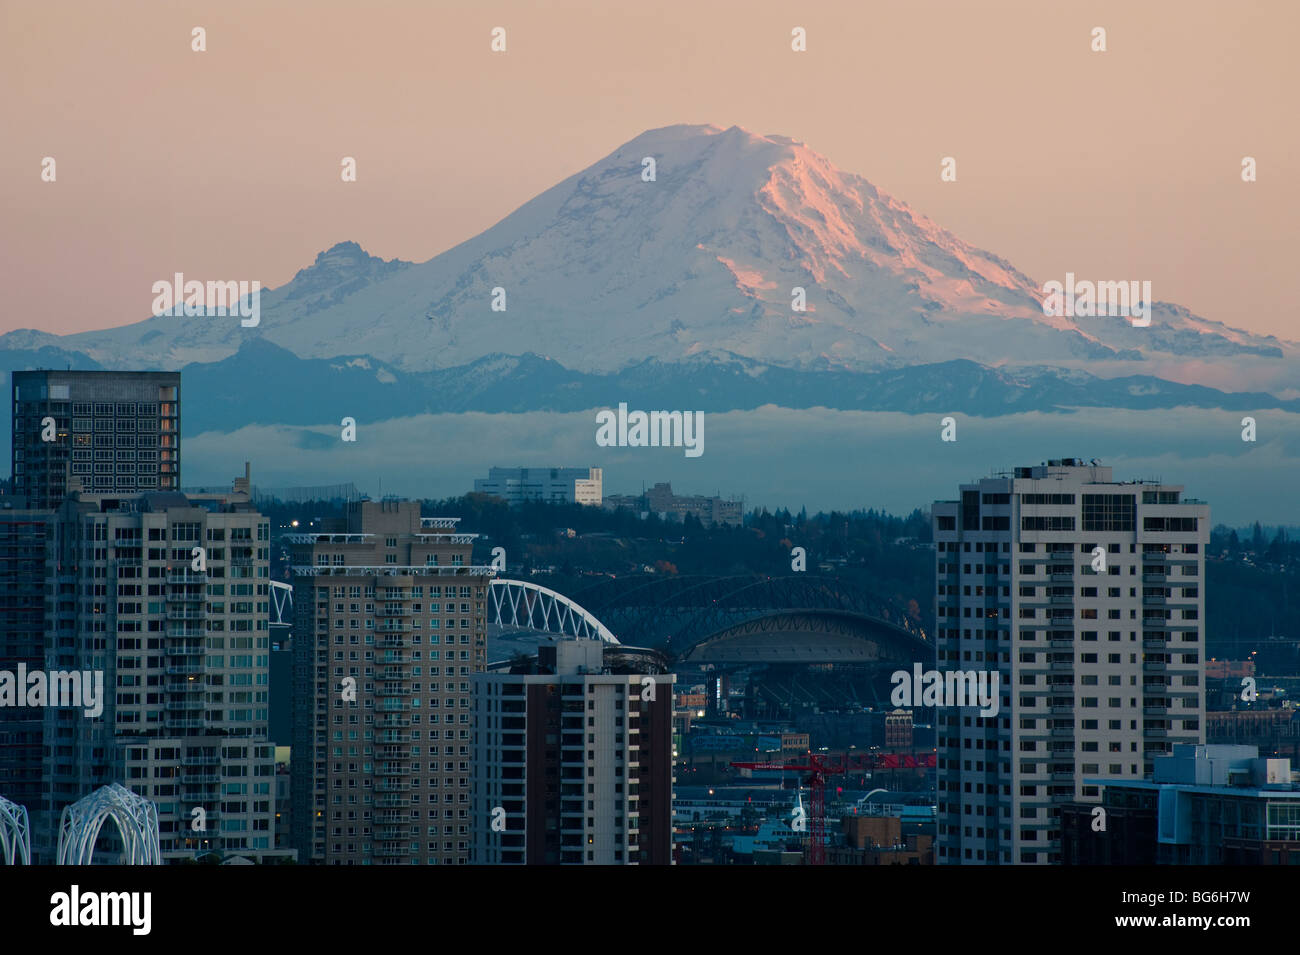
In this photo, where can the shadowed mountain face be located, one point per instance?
(686, 282)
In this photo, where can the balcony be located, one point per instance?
(391, 801)
(392, 787)
(186, 577)
(183, 613)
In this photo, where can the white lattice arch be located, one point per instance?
(281, 603)
(136, 819)
(15, 834)
(524, 604)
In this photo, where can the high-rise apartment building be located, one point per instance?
(23, 535)
(168, 600)
(553, 485)
(115, 431)
(573, 764)
(1087, 597)
(391, 625)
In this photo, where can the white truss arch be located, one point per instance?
(15, 834)
(136, 819)
(281, 604)
(524, 604)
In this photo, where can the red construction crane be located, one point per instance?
(819, 768)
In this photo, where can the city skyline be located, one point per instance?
(991, 556)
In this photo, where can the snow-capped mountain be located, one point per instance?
(606, 271)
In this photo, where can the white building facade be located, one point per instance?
(1088, 597)
(553, 485)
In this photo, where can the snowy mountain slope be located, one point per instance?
(604, 271)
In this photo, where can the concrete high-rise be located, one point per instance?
(1087, 596)
(166, 598)
(114, 431)
(573, 764)
(23, 541)
(391, 625)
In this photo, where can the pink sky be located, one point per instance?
(225, 164)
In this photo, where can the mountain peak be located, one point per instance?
(754, 247)
(348, 247)
(349, 254)
(343, 268)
